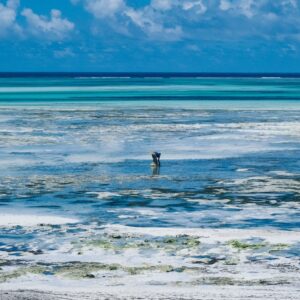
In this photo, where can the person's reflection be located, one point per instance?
(155, 170)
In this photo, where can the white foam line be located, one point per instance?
(7, 220)
(221, 235)
(104, 195)
(252, 105)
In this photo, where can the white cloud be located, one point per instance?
(120, 17)
(162, 4)
(264, 9)
(8, 15)
(153, 28)
(162, 19)
(197, 6)
(243, 7)
(173, 20)
(225, 5)
(246, 7)
(104, 8)
(52, 28)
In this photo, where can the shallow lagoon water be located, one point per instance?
(76, 181)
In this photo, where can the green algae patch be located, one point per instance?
(79, 270)
(104, 244)
(214, 281)
(255, 246)
(170, 240)
(182, 240)
(191, 243)
(4, 262)
(22, 271)
(84, 270)
(246, 246)
(149, 268)
(278, 247)
(118, 243)
(223, 281)
(178, 243)
(231, 262)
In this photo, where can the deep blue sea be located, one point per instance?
(75, 162)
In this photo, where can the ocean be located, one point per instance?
(82, 208)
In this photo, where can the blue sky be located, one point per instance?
(150, 35)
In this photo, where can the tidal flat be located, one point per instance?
(83, 215)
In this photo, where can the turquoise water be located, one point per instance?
(78, 149)
(95, 89)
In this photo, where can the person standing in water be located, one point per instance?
(156, 159)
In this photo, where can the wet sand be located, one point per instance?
(201, 293)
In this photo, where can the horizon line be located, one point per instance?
(4, 74)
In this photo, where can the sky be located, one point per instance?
(150, 35)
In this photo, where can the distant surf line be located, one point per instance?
(148, 74)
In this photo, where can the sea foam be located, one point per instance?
(7, 220)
